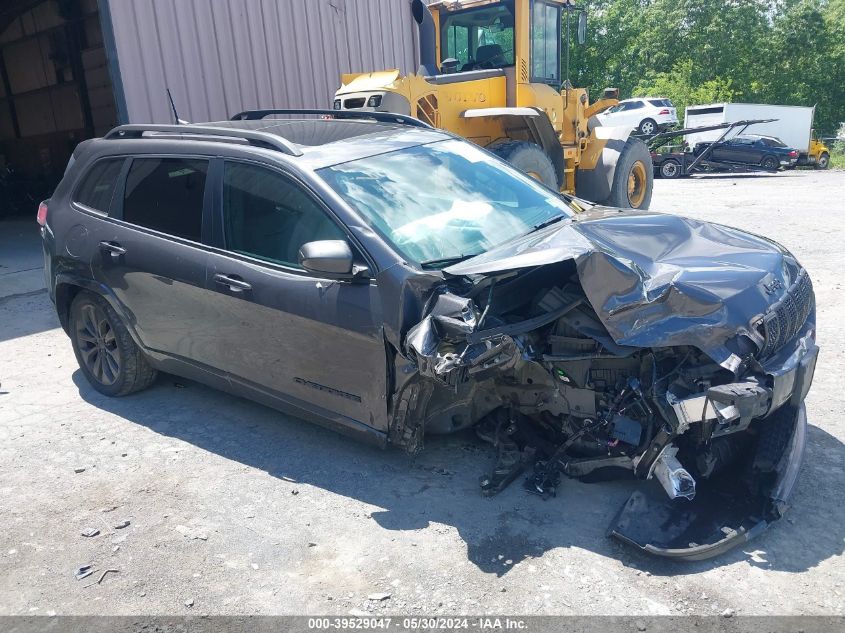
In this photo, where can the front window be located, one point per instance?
(545, 42)
(479, 38)
(266, 215)
(444, 201)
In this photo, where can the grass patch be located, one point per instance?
(837, 161)
(837, 155)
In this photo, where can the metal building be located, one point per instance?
(71, 69)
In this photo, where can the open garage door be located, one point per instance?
(55, 91)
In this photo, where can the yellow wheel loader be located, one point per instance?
(490, 71)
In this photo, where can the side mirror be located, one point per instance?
(582, 28)
(326, 256)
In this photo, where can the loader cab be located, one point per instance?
(479, 38)
(492, 35)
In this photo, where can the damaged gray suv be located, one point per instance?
(389, 280)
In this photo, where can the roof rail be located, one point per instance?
(254, 137)
(383, 117)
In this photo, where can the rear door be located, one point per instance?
(151, 257)
(306, 339)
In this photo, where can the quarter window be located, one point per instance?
(97, 187)
(268, 216)
(166, 194)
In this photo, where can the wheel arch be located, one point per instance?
(69, 286)
(526, 124)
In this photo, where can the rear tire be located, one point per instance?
(104, 349)
(770, 163)
(824, 161)
(528, 158)
(633, 179)
(647, 127)
(670, 169)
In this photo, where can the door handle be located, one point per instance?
(235, 284)
(113, 249)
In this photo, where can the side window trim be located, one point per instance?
(84, 176)
(218, 232)
(117, 199)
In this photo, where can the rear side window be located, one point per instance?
(660, 103)
(166, 194)
(98, 185)
(268, 216)
(773, 142)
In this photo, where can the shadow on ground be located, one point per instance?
(440, 484)
(26, 314)
(739, 175)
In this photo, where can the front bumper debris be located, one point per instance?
(727, 512)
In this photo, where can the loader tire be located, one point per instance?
(633, 179)
(824, 161)
(528, 158)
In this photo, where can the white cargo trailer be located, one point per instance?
(793, 126)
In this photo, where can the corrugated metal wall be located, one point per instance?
(219, 57)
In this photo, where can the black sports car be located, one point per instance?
(750, 149)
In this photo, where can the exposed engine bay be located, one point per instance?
(524, 358)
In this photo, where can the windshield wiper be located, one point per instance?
(548, 222)
(444, 261)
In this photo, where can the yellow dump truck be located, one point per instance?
(491, 72)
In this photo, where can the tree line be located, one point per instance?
(789, 52)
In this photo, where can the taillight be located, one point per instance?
(664, 111)
(41, 217)
(793, 154)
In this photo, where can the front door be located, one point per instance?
(295, 335)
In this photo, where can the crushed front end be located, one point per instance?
(612, 362)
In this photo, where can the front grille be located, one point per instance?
(786, 317)
(354, 102)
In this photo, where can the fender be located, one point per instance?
(594, 178)
(65, 281)
(533, 121)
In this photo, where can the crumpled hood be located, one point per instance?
(658, 280)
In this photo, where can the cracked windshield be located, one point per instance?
(443, 202)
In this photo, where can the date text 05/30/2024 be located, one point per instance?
(417, 623)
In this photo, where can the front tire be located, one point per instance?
(528, 158)
(104, 349)
(670, 169)
(824, 161)
(633, 178)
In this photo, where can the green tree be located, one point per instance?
(679, 86)
(698, 51)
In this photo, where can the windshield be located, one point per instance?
(444, 201)
(479, 38)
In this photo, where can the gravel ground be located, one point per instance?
(233, 508)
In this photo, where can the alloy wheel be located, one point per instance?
(98, 345)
